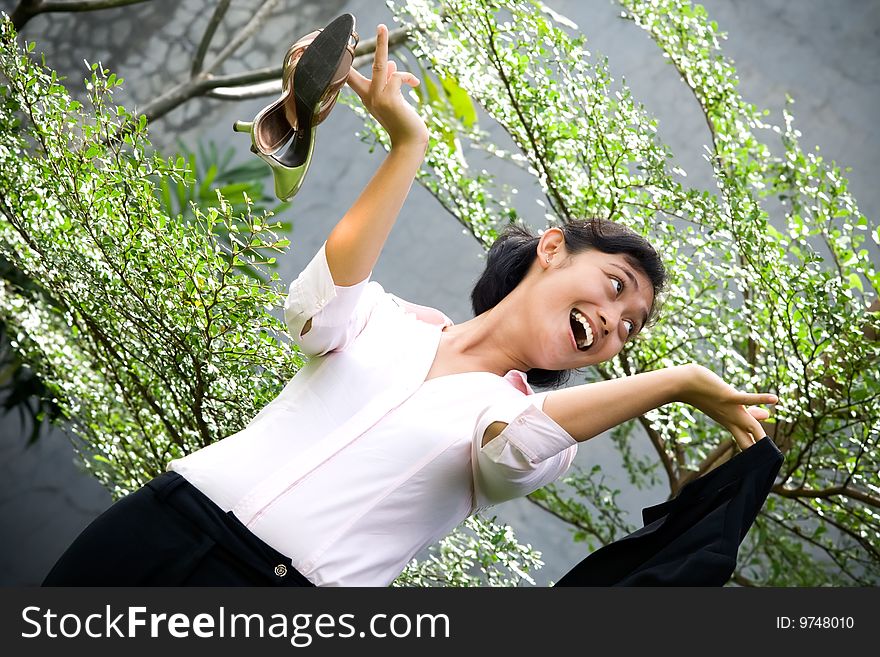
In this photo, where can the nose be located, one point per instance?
(607, 320)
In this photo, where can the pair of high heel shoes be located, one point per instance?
(315, 70)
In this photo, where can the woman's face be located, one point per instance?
(584, 307)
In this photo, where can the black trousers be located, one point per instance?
(168, 533)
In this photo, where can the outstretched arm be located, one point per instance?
(587, 410)
(355, 243)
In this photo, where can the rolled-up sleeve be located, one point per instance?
(338, 313)
(531, 451)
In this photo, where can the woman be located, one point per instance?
(403, 423)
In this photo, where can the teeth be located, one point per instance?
(587, 330)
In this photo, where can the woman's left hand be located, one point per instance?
(707, 392)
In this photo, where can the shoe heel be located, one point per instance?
(247, 127)
(288, 179)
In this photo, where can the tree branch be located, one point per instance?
(848, 491)
(216, 19)
(244, 34)
(831, 552)
(561, 206)
(259, 83)
(568, 520)
(204, 83)
(849, 531)
(660, 448)
(742, 580)
(711, 458)
(653, 434)
(27, 9)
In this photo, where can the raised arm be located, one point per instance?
(587, 410)
(354, 245)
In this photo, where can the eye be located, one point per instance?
(632, 325)
(619, 282)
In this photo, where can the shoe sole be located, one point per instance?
(314, 74)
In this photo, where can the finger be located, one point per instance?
(751, 422)
(743, 439)
(359, 83)
(397, 80)
(380, 58)
(757, 430)
(390, 70)
(757, 398)
(758, 413)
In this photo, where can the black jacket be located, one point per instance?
(692, 539)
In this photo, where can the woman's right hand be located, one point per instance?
(707, 392)
(382, 97)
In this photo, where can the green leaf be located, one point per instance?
(207, 179)
(432, 90)
(461, 103)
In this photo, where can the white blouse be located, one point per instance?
(359, 462)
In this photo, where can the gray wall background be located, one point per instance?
(825, 54)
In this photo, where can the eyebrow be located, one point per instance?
(635, 283)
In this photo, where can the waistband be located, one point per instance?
(226, 530)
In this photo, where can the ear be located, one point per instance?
(551, 246)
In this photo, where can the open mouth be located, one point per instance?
(580, 328)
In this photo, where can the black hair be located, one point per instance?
(515, 249)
